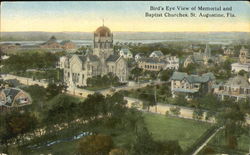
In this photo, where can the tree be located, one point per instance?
(116, 104)
(93, 106)
(210, 102)
(148, 99)
(169, 148)
(180, 99)
(242, 72)
(175, 111)
(53, 90)
(198, 114)
(15, 125)
(63, 110)
(136, 73)
(109, 79)
(165, 75)
(38, 95)
(245, 105)
(132, 120)
(233, 118)
(144, 144)
(208, 150)
(95, 145)
(118, 151)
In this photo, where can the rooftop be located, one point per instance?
(158, 53)
(193, 78)
(238, 81)
(152, 60)
(113, 58)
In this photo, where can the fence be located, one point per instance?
(201, 140)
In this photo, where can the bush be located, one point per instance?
(167, 113)
(95, 144)
(208, 150)
(175, 111)
(118, 152)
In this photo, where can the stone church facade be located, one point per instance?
(103, 60)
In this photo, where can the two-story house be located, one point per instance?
(191, 85)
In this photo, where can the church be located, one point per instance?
(102, 60)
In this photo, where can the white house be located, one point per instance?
(13, 97)
(62, 61)
(236, 88)
(138, 56)
(172, 62)
(4, 57)
(191, 84)
(244, 61)
(126, 53)
(156, 54)
(236, 67)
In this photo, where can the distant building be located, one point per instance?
(151, 64)
(235, 88)
(62, 62)
(4, 57)
(201, 57)
(190, 85)
(244, 56)
(68, 45)
(9, 46)
(126, 53)
(244, 61)
(157, 63)
(236, 67)
(189, 60)
(156, 54)
(51, 43)
(172, 62)
(139, 56)
(13, 98)
(229, 51)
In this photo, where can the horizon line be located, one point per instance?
(127, 31)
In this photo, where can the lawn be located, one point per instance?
(169, 128)
(161, 127)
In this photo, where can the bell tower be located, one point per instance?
(103, 42)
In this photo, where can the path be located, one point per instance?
(205, 143)
(160, 108)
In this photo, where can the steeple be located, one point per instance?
(207, 51)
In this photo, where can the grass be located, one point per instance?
(97, 88)
(219, 142)
(169, 128)
(64, 148)
(161, 127)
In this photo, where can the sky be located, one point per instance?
(84, 16)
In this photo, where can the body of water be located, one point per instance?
(90, 42)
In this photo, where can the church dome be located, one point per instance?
(103, 31)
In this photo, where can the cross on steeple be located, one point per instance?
(102, 22)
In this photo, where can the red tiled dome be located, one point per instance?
(103, 31)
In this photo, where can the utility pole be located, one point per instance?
(155, 99)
